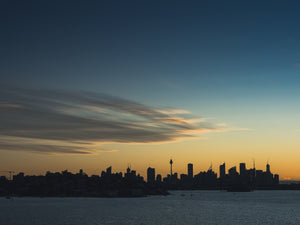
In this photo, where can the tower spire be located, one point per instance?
(171, 163)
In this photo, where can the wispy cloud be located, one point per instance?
(173, 111)
(4, 105)
(44, 146)
(55, 121)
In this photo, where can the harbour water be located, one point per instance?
(181, 207)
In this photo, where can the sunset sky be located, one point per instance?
(89, 84)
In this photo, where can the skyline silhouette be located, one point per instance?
(190, 169)
(220, 171)
(132, 184)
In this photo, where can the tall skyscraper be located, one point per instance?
(150, 175)
(108, 170)
(268, 168)
(222, 171)
(190, 170)
(242, 169)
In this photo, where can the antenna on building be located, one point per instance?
(253, 163)
(210, 168)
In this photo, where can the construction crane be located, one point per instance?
(10, 172)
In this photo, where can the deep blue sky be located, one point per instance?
(211, 53)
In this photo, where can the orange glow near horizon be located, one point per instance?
(216, 149)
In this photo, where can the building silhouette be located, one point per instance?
(222, 171)
(158, 178)
(108, 170)
(243, 169)
(190, 170)
(268, 168)
(150, 175)
(232, 172)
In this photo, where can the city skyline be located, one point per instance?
(99, 83)
(132, 184)
(189, 167)
(152, 174)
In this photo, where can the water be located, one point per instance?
(181, 207)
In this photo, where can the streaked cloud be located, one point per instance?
(173, 111)
(56, 121)
(49, 146)
(4, 105)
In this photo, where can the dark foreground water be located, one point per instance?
(181, 207)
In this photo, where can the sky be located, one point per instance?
(89, 84)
